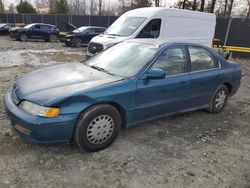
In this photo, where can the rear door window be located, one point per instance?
(151, 30)
(201, 59)
(36, 26)
(45, 27)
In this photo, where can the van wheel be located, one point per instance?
(23, 37)
(97, 127)
(219, 100)
(52, 38)
(76, 42)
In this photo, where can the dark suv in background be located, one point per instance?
(82, 35)
(35, 31)
(4, 28)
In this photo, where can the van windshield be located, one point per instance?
(125, 59)
(125, 26)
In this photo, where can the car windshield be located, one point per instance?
(125, 59)
(28, 26)
(125, 26)
(80, 29)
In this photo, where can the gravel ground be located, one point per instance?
(195, 149)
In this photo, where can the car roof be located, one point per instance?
(44, 24)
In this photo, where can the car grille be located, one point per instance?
(94, 48)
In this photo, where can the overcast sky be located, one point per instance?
(239, 5)
(8, 2)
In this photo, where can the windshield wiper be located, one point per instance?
(101, 69)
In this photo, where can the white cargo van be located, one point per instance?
(165, 24)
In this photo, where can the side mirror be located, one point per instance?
(155, 73)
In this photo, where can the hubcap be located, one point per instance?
(23, 37)
(220, 99)
(52, 38)
(100, 129)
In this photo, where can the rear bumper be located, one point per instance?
(40, 130)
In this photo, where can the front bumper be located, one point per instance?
(65, 40)
(41, 130)
(14, 35)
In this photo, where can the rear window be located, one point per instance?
(99, 30)
(201, 59)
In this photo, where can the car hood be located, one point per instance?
(16, 29)
(105, 39)
(54, 83)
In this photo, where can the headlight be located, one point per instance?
(38, 110)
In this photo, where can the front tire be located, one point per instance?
(23, 37)
(76, 42)
(97, 127)
(219, 99)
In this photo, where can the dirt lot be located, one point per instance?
(195, 149)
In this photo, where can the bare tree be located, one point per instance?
(248, 11)
(225, 8)
(230, 8)
(52, 5)
(212, 6)
(202, 5)
(157, 3)
(93, 7)
(100, 7)
(194, 5)
(184, 3)
(1, 6)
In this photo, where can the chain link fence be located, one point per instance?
(231, 31)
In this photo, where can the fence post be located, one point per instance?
(56, 20)
(228, 29)
(89, 20)
(109, 21)
(7, 19)
(15, 18)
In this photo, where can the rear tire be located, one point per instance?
(97, 127)
(52, 38)
(219, 100)
(23, 37)
(76, 42)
